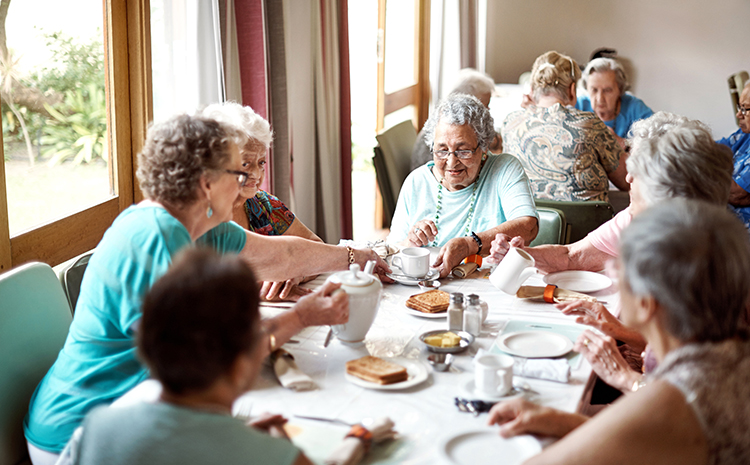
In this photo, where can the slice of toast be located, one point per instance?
(376, 370)
(433, 301)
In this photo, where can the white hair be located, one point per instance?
(241, 118)
(674, 156)
(460, 109)
(473, 82)
(597, 65)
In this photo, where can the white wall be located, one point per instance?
(682, 51)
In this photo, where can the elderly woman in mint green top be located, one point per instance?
(190, 173)
(466, 195)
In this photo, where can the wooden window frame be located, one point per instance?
(129, 97)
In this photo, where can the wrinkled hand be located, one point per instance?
(422, 233)
(323, 307)
(606, 360)
(519, 416)
(596, 315)
(452, 253)
(284, 290)
(362, 256)
(501, 245)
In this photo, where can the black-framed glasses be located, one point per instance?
(460, 154)
(241, 176)
(742, 110)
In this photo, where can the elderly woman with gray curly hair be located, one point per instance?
(465, 196)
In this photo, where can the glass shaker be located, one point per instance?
(456, 312)
(473, 316)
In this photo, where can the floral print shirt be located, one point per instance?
(268, 215)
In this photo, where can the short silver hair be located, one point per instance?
(473, 82)
(674, 156)
(552, 74)
(693, 258)
(460, 109)
(597, 65)
(242, 119)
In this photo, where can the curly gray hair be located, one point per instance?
(674, 156)
(243, 119)
(178, 151)
(597, 65)
(693, 258)
(460, 109)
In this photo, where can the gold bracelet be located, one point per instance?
(637, 385)
(271, 343)
(351, 255)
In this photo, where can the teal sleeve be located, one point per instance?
(225, 238)
(514, 190)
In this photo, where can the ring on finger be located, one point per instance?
(586, 342)
(417, 230)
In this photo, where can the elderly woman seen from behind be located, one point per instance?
(190, 172)
(465, 196)
(683, 280)
(257, 210)
(568, 154)
(671, 157)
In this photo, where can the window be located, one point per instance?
(54, 232)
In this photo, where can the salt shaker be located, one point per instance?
(473, 316)
(456, 312)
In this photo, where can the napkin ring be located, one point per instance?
(361, 433)
(549, 293)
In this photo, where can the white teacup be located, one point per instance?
(413, 261)
(515, 268)
(493, 374)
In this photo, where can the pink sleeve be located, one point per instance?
(607, 236)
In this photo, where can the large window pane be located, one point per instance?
(399, 45)
(53, 111)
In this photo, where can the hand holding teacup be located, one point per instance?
(422, 233)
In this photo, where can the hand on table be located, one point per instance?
(501, 245)
(270, 424)
(285, 290)
(323, 307)
(519, 416)
(606, 360)
(452, 253)
(422, 233)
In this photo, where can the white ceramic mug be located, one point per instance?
(413, 261)
(515, 268)
(493, 374)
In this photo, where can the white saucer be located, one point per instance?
(433, 273)
(578, 281)
(486, 446)
(472, 393)
(534, 344)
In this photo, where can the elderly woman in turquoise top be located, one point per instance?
(466, 195)
(189, 172)
(255, 209)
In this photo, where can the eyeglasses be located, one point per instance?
(460, 154)
(742, 110)
(241, 176)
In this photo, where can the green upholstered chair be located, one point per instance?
(34, 322)
(552, 227)
(71, 277)
(395, 145)
(384, 184)
(582, 216)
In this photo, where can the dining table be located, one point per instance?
(431, 429)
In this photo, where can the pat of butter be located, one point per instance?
(446, 339)
(436, 341)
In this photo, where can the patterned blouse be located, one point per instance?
(715, 380)
(268, 215)
(566, 153)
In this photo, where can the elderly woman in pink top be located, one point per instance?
(671, 156)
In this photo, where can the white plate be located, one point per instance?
(534, 344)
(417, 374)
(413, 312)
(480, 447)
(432, 274)
(472, 393)
(578, 281)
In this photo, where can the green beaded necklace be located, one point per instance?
(439, 206)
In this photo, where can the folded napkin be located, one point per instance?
(539, 368)
(352, 449)
(288, 374)
(463, 270)
(560, 295)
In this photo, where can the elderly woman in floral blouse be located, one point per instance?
(256, 209)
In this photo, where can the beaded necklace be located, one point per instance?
(439, 206)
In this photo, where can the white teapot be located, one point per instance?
(364, 291)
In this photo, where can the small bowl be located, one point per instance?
(440, 362)
(429, 285)
(466, 340)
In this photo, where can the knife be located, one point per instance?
(328, 420)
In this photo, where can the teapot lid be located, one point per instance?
(353, 277)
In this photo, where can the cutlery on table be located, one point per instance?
(243, 413)
(328, 337)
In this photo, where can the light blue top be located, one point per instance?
(503, 193)
(166, 434)
(739, 142)
(632, 109)
(98, 362)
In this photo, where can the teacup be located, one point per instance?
(515, 268)
(493, 374)
(413, 261)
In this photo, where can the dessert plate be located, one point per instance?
(578, 281)
(400, 278)
(416, 370)
(534, 344)
(486, 446)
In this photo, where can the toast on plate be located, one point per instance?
(376, 370)
(433, 301)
